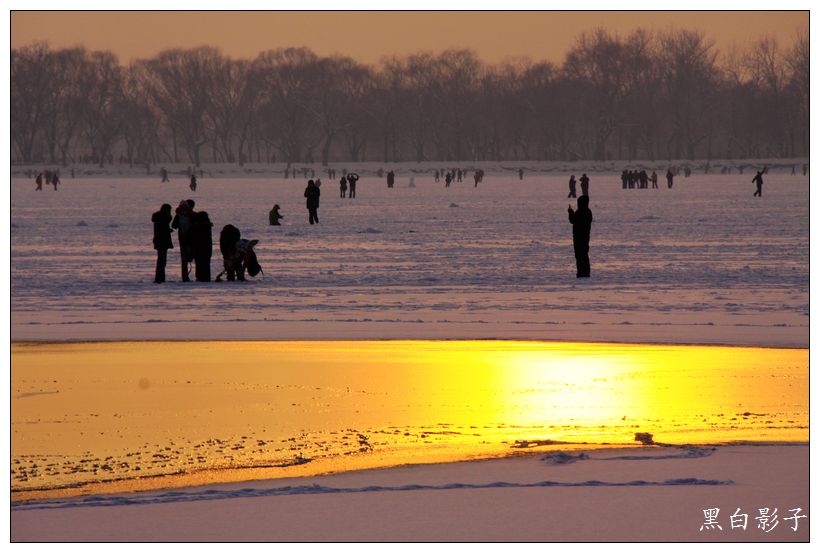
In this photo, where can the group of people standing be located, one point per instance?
(638, 179)
(47, 177)
(195, 240)
(196, 244)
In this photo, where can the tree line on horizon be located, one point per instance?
(657, 95)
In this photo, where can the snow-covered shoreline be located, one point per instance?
(638, 494)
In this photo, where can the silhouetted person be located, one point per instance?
(39, 181)
(520, 174)
(584, 185)
(55, 180)
(352, 179)
(162, 240)
(448, 178)
(670, 176)
(654, 179)
(391, 179)
(193, 182)
(343, 186)
(164, 174)
(458, 175)
(312, 194)
(624, 179)
(643, 178)
(758, 180)
(203, 245)
(183, 221)
(572, 193)
(805, 169)
(581, 221)
(231, 258)
(274, 216)
(476, 177)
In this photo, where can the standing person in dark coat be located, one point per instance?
(343, 186)
(624, 179)
(670, 176)
(654, 179)
(39, 181)
(448, 178)
(584, 185)
(183, 220)
(758, 180)
(203, 245)
(581, 221)
(520, 174)
(312, 194)
(391, 179)
(193, 182)
(162, 240)
(572, 193)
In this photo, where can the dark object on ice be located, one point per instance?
(520, 174)
(162, 240)
(758, 180)
(183, 220)
(274, 215)
(584, 180)
(561, 458)
(391, 179)
(249, 257)
(312, 194)
(203, 245)
(572, 193)
(352, 178)
(645, 438)
(193, 182)
(670, 176)
(581, 221)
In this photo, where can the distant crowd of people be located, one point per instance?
(196, 244)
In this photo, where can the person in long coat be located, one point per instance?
(162, 240)
(312, 194)
(581, 220)
(203, 245)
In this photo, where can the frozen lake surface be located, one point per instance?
(703, 262)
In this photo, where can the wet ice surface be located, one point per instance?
(110, 417)
(704, 262)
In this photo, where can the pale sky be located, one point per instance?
(368, 35)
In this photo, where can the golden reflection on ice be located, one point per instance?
(103, 416)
